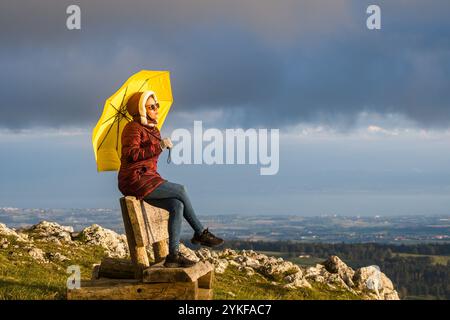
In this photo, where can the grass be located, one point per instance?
(22, 278)
(441, 260)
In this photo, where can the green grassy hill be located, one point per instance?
(34, 262)
(22, 277)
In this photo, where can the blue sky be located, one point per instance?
(364, 116)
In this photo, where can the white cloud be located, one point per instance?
(369, 126)
(378, 130)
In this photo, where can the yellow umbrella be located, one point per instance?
(106, 136)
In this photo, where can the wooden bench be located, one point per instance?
(144, 276)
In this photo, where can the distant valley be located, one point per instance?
(325, 228)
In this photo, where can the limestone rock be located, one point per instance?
(335, 265)
(233, 263)
(5, 231)
(188, 253)
(296, 280)
(57, 257)
(246, 261)
(4, 243)
(38, 255)
(204, 254)
(248, 270)
(333, 272)
(375, 283)
(220, 265)
(279, 268)
(227, 253)
(317, 273)
(50, 231)
(114, 244)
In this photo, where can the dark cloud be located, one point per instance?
(272, 63)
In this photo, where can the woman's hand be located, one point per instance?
(166, 143)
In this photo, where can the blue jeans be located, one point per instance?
(173, 198)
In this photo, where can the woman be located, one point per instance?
(138, 176)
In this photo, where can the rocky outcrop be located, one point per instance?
(335, 265)
(37, 254)
(114, 244)
(319, 274)
(375, 283)
(368, 282)
(50, 232)
(7, 232)
(4, 243)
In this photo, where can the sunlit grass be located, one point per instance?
(234, 284)
(22, 278)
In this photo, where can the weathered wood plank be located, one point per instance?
(134, 214)
(206, 281)
(159, 273)
(160, 250)
(133, 290)
(137, 221)
(205, 294)
(115, 268)
(95, 271)
(138, 253)
(142, 262)
(128, 228)
(146, 226)
(157, 220)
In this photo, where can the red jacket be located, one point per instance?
(138, 174)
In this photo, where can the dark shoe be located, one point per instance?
(206, 238)
(178, 261)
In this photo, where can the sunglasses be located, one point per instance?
(153, 106)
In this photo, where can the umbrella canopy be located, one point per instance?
(106, 136)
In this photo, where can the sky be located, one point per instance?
(364, 115)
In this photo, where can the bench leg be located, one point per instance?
(161, 250)
(206, 281)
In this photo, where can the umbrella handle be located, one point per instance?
(169, 157)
